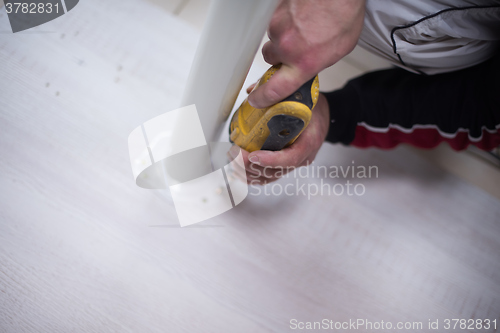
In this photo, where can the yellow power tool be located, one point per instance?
(278, 126)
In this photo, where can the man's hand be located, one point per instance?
(262, 167)
(307, 37)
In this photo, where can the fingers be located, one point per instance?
(292, 156)
(252, 172)
(247, 164)
(250, 88)
(281, 85)
(262, 167)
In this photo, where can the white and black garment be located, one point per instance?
(448, 88)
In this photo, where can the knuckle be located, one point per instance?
(308, 65)
(267, 56)
(286, 45)
(274, 29)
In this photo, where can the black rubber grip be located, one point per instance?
(303, 95)
(283, 128)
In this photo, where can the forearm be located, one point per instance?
(386, 108)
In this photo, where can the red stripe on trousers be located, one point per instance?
(421, 138)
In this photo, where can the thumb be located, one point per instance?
(281, 85)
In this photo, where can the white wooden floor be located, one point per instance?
(82, 249)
